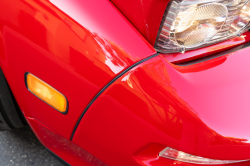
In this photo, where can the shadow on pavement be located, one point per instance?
(20, 147)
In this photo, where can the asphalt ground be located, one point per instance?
(21, 148)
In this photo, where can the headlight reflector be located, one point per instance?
(191, 24)
(199, 25)
(241, 19)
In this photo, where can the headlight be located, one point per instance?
(191, 24)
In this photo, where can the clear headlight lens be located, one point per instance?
(200, 25)
(188, 158)
(191, 24)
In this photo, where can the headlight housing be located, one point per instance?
(191, 24)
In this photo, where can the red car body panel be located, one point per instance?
(199, 109)
(41, 39)
(79, 46)
(145, 15)
(62, 147)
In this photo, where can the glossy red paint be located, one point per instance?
(145, 15)
(62, 147)
(200, 109)
(77, 51)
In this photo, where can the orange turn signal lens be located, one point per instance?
(46, 93)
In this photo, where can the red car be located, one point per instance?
(129, 82)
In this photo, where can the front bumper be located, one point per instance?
(201, 109)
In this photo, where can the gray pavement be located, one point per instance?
(22, 148)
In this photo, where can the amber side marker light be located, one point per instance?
(46, 93)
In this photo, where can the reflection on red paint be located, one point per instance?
(205, 65)
(202, 109)
(63, 147)
(160, 103)
(66, 46)
(145, 15)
